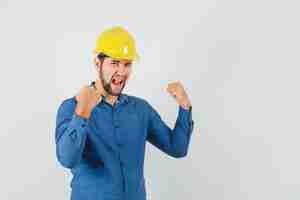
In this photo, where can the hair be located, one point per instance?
(101, 56)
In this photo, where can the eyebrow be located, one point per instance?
(117, 61)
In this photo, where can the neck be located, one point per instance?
(111, 99)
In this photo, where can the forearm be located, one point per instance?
(173, 142)
(71, 140)
(182, 132)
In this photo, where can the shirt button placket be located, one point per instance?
(117, 139)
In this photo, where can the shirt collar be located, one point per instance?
(123, 98)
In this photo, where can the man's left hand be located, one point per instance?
(177, 91)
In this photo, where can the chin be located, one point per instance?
(116, 93)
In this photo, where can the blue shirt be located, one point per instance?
(105, 152)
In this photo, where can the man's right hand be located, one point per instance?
(87, 98)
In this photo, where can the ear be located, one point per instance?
(95, 60)
(97, 67)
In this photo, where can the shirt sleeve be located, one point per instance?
(174, 142)
(70, 135)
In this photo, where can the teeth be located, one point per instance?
(118, 81)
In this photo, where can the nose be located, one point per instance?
(121, 69)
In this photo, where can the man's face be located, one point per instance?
(114, 75)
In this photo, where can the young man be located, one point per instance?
(101, 133)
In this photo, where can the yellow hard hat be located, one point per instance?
(117, 43)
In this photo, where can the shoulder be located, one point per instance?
(69, 101)
(139, 102)
(67, 104)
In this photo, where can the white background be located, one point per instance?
(238, 60)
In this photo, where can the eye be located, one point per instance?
(128, 64)
(114, 63)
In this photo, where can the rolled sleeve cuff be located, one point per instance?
(185, 117)
(79, 122)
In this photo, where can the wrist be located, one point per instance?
(82, 113)
(185, 104)
(186, 107)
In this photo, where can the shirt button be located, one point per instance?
(73, 135)
(120, 144)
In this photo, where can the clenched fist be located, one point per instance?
(87, 98)
(177, 91)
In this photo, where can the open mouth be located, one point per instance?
(117, 82)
